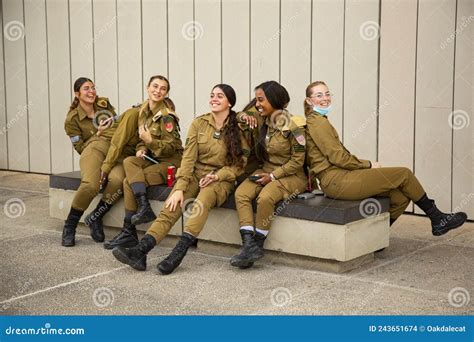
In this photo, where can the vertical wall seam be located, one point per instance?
(279, 41)
(343, 70)
(167, 42)
(452, 108)
(141, 49)
(93, 40)
(222, 49)
(117, 53)
(311, 44)
(26, 92)
(250, 49)
(70, 60)
(5, 84)
(49, 92)
(377, 108)
(416, 80)
(194, 60)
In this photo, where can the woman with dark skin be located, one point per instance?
(214, 156)
(344, 176)
(280, 147)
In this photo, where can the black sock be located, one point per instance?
(129, 214)
(138, 188)
(425, 204)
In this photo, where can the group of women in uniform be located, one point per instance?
(259, 154)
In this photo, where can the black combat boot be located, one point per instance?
(94, 221)
(126, 238)
(135, 256)
(251, 251)
(441, 223)
(144, 212)
(173, 260)
(69, 230)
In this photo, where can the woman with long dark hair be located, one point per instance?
(91, 139)
(214, 155)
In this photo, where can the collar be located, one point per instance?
(82, 113)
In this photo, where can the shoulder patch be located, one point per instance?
(136, 105)
(297, 127)
(298, 148)
(75, 138)
(103, 102)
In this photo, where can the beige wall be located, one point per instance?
(400, 70)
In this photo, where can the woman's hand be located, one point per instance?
(140, 154)
(144, 135)
(208, 179)
(251, 121)
(375, 165)
(264, 179)
(104, 124)
(176, 198)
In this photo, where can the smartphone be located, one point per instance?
(254, 178)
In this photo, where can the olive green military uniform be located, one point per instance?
(166, 148)
(285, 146)
(251, 135)
(205, 152)
(344, 176)
(93, 150)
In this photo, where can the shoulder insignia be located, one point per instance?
(136, 105)
(297, 127)
(75, 139)
(102, 102)
(298, 147)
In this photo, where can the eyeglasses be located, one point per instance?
(319, 96)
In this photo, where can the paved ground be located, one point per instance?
(417, 274)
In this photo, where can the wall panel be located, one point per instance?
(82, 46)
(59, 83)
(3, 110)
(434, 99)
(360, 77)
(105, 49)
(129, 54)
(37, 83)
(327, 51)
(264, 41)
(296, 51)
(236, 49)
(155, 41)
(181, 61)
(15, 76)
(463, 120)
(207, 38)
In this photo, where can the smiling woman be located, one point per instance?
(280, 148)
(215, 154)
(344, 176)
(159, 147)
(92, 142)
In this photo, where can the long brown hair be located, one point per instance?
(231, 131)
(308, 109)
(77, 86)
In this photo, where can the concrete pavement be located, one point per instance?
(417, 274)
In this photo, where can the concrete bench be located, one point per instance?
(337, 235)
